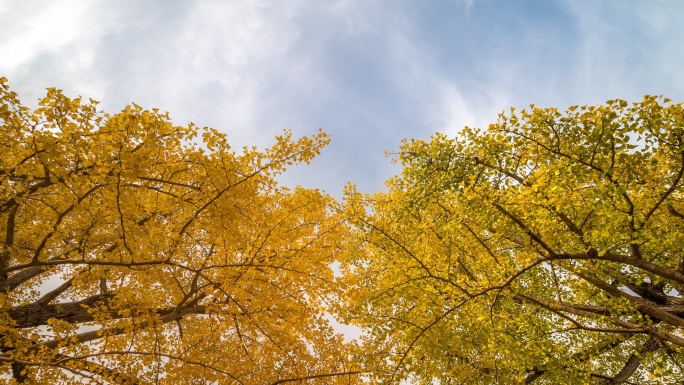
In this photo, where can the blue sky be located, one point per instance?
(368, 72)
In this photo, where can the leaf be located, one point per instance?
(132, 254)
(495, 284)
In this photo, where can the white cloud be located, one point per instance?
(627, 51)
(437, 96)
(238, 32)
(359, 16)
(59, 36)
(451, 112)
(237, 48)
(30, 29)
(369, 72)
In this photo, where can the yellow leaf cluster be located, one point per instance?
(160, 259)
(544, 249)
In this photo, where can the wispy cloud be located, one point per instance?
(369, 72)
(55, 41)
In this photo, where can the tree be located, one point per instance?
(133, 255)
(547, 249)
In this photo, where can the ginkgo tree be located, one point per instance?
(546, 249)
(134, 253)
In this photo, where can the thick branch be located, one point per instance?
(302, 379)
(634, 361)
(39, 312)
(7, 247)
(22, 276)
(643, 264)
(644, 306)
(627, 326)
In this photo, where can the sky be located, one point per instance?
(370, 73)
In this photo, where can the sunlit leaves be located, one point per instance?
(136, 251)
(544, 249)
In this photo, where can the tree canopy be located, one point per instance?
(546, 249)
(132, 253)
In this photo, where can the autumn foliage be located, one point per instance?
(546, 249)
(135, 251)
